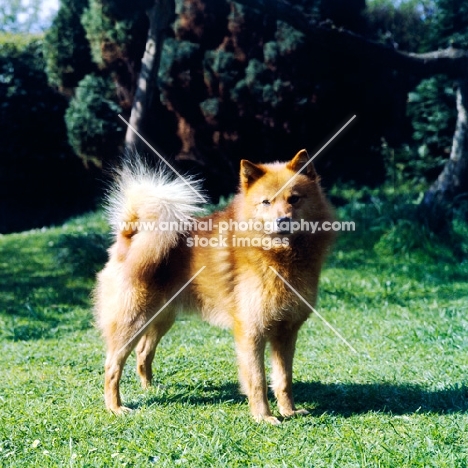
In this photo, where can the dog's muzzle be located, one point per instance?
(283, 225)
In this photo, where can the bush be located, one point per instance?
(41, 181)
(431, 107)
(395, 228)
(405, 26)
(67, 50)
(92, 120)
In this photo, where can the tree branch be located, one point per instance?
(451, 62)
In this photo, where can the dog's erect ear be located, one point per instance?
(298, 162)
(249, 173)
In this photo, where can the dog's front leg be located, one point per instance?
(283, 343)
(250, 347)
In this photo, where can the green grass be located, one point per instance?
(400, 298)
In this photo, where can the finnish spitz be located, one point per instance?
(232, 266)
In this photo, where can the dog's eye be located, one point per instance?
(266, 202)
(293, 199)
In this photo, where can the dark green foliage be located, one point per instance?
(432, 110)
(202, 21)
(112, 35)
(450, 24)
(117, 33)
(123, 9)
(107, 36)
(235, 83)
(344, 13)
(263, 91)
(221, 71)
(394, 228)
(24, 92)
(92, 120)
(40, 180)
(431, 105)
(422, 26)
(66, 47)
(179, 60)
(406, 26)
(82, 253)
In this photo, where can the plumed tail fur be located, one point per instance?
(149, 210)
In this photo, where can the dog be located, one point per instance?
(248, 267)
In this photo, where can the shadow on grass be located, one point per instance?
(345, 399)
(45, 286)
(419, 270)
(438, 281)
(348, 398)
(33, 308)
(83, 253)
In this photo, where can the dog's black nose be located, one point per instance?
(283, 224)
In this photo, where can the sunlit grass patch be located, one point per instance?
(400, 401)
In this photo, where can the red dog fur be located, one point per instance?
(236, 288)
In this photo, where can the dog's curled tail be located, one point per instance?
(149, 210)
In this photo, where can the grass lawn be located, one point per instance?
(397, 296)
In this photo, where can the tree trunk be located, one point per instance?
(453, 180)
(160, 16)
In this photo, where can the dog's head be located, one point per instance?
(279, 194)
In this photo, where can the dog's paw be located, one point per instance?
(273, 420)
(146, 384)
(120, 410)
(291, 413)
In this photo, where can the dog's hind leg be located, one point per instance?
(146, 347)
(119, 347)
